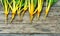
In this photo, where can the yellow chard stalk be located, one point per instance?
(25, 7)
(19, 10)
(14, 9)
(6, 10)
(31, 9)
(13, 5)
(48, 6)
(40, 5)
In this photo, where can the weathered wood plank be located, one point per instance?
(29, 34)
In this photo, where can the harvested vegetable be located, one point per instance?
(31, 9)
(14, 8)
(19, 10)
(6, 9)
(40, 6)
(48, 6)
(25, 7)
(20, 6)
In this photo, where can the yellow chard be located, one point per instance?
(48, 6)
(14, 9)
(25, 7)
(40, 5)
(5, 5)
(31, 9)
(19, 10)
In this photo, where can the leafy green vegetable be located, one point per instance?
(20, 6)
(49, 4)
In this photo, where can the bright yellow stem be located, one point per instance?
(13, 15)
(14, 9)
(25, 7)
(13, 6)
(40, 5)
(31, 9)
(6, 10)
(19, 10)
(48, 8)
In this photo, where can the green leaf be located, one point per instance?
(15, 0)
(35, 3)
(3, 2)
(23, 1)
(52, 1)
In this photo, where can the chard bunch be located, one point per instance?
(20, 6)
(12, 5)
